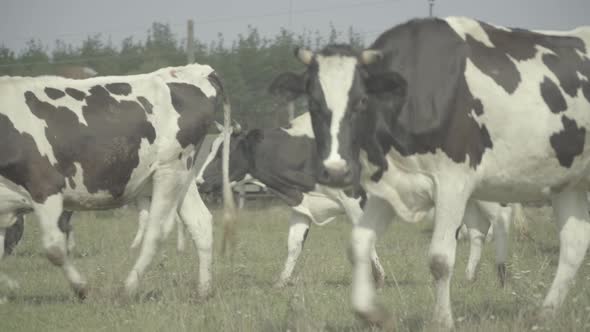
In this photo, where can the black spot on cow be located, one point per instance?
(22, 163)
(569, 142)
(552, 96)
(196, 112)
(147, 106)
(189, 162)
(122, 89)
(434, 110)
(76, 94)
(54, 93)
(180, 156)
(107, 148)
(477, 107)
(519, 44)
(284, 163)
(586, 90)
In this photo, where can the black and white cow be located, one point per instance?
(439, 111)
(103, 142)
(285, 160)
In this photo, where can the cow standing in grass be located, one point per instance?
(441, 111)
(100, 143)
(285, 160)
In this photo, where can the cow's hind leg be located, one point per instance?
(65, 225)
(54, 242)
(165, 196)
(477, 226)
(571, 212)
(180, 240)
(143, 206)
(298, 229)
(501, 226)
(197, 219)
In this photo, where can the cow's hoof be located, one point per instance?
(81, 291)
(281, 284)
(378, 317)
(12, 284)
(379, 281)
(205, 293)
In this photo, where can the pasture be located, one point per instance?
(244, 299)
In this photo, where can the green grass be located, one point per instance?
(244, 299)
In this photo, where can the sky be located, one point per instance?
(73, 20)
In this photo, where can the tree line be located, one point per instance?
(247, 65)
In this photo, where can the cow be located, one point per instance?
(285, 160)
(100, 143)
(14, 233)
(438, 112)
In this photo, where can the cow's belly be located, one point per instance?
(529, 175)
(408, 192)
(319, 208)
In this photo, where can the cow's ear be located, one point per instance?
(288, 85)
(386, 83)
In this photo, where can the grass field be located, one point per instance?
(244, 299)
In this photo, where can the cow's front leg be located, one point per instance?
(54, 241)
(450, 206)
(376, 217)
(298, 229)
(197, 219)
(166, 192)
(5, 279)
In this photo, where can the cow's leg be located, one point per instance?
(54, 242)
(180, 243)
(377, 269)
(501, 227)
(450, 207)
(376, 217)
(571, 212)
(13, 234)
(4, 279)
(143, 206)
(65, 226)
(165, 196)
(298, 228)
(477, 226)
(197, 219)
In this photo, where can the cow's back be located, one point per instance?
(97, 140)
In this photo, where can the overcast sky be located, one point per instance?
(73, 20)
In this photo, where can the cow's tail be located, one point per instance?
(229, 209)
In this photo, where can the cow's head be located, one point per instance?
(209, 178)
(338, 87)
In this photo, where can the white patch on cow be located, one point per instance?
(508, 163)
(336, 74)
(301, 126)
(194, 73)
(464, 26)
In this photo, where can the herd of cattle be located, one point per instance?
(451, 120)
